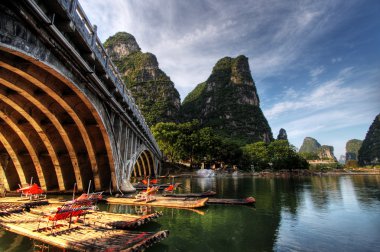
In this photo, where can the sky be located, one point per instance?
(316, 64)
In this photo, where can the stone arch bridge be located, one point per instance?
(65, 115)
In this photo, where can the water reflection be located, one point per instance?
(292, 214)
(12, 242)
(128, 209)
(369, 188)
(205, 183)
(331, 217)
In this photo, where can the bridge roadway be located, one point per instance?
(65, 114)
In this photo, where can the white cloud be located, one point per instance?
(332, 112)
(307, 17)
(273, 34)
(280, 38)
(314, 73)
(336, 60)
(290, 93)
(328, 94)
(331, 127)
(346, 72)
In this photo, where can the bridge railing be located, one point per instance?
(88, 32)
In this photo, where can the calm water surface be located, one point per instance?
(291, 214)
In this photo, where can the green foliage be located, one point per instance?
(309, 155)
(120, 37)
(326, 152)
(352, 149)
(188, 141)
(256, 154)
(166, 135)
(284, 156)
(277, 155)
(228, 151)
(369, 153)
(310, 145)
(152, 89)
(222, 71)
(196, 93)
(228, 103)
(352, 164)
(325, 167)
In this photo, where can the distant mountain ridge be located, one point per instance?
(310, 145)
(313, 149)
(228, 102)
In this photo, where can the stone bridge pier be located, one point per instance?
(65, 114)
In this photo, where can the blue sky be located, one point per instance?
(316, 64)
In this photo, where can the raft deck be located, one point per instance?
(141, 186)
(246, 201)
(80, 237)
(192, 195)
(162, 202)
(22, 201)
(106, 219)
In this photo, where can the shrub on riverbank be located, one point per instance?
(194, 144)
(277, 155)
(325, 167)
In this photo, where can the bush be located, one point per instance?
(278, 155)
(352, 164)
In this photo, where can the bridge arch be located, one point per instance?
(62, 114)
(144, 165)
(65, 115)
(14, 130)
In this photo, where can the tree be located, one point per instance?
(187, 141)
(284, 156)
(228, 151)
(309, 155)
(167, 135)
(256, 154)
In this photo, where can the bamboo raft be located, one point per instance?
(80, 237)
(141, 186)
(105, 219)
(246, 201)
(192, 195)
(162, 202)
(22, 201)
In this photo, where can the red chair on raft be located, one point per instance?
(32, 192)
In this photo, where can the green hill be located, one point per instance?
(151, 88)
(228, 102)
(369, 153)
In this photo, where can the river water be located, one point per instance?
(327, 213)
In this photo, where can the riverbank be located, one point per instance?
(184, 170)
(282, 173)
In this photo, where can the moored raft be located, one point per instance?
(192, 195)
(141, 186)
(246, 201)
(9, 208)
(23, 201)
(80, 237)
(161, 202)
(106, 219)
